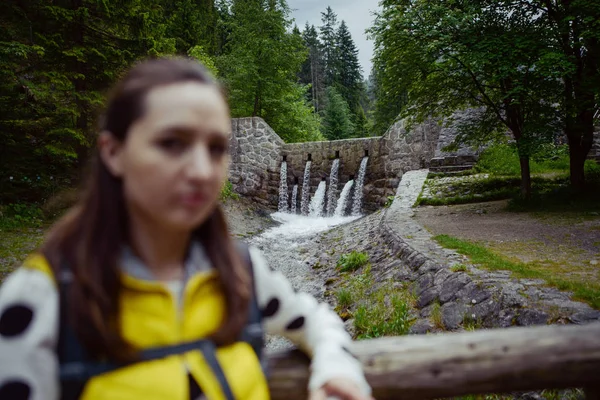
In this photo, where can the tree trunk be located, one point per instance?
(525, 177)
(578, 151)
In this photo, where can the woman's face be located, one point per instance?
(175, 158)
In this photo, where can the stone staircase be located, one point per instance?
(452, 164)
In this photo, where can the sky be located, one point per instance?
(356, 13)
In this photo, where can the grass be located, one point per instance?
(377, 311)
(352, 261)
(436, 315)
(585, 291)
(227, 192)
(459, 268)
(549, 175)
(15, 246)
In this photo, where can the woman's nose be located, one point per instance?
(199, 165)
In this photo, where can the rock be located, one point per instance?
(452, 285)
(530, 317)
(421, 327)
(472, 294)
(505, 319)
(349, 325)
(486, 310)
(594, 262)
(430, 266)
(427, 296)
(585, 317)
(452, 315)
(424, 283)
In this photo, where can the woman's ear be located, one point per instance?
(111, 150)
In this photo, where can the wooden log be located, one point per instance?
(454, 364)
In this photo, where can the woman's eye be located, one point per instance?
(218, 150)
(172, 144)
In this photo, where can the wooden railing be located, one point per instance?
(454, 364)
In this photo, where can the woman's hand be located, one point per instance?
(340, 389)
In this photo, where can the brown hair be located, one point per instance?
(89, 239)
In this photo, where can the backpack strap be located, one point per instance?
(77, 367)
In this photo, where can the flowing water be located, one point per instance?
(281, 247)
(305, 189)
(283, 188)
(358, 188)
(317, 203)
(343, 200)
(333, 184)
(294, 199)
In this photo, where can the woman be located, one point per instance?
(144, 263)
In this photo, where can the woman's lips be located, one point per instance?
(193, 200)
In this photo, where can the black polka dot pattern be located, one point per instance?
(295, 324)
(271, 308)
(15, 390)
(15, 320)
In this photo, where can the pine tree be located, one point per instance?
(260, 69)
(348, 76)
(312, 69)
(329, 42)
(337, 122)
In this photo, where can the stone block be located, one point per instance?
(452, 285)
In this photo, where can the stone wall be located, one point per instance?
(458, 158)
(257, 154)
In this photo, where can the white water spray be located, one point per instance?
(294, 198)
(333, 183)
(341, 204)
(283, 188)
(358, 189)
(318, 201)
(305, 190)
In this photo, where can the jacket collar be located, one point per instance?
(196, 262)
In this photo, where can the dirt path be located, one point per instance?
(565, 243)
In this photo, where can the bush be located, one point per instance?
(227, 192)
(352, 261)
(20, 215)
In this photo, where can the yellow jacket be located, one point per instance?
(153, 316)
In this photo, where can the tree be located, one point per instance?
(575, 27)
(452, 56)
(337, 123)
(329, 42)
(260, 68)
(313, 67)
(348, 76)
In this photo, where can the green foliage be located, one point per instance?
(259, 69)
(352, 261)
(228, 193)
(344, 298)
(377, 319)
(383, 310)
(20, 215)
(459, 268)
(502, 159)
(337, 122)
(201, 55)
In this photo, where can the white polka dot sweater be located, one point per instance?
(29, 327)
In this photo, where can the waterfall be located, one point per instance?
(283, 188)
(358, 189)
(318, 201)
(333, 183)
(305, 189)
(294, 198)
(341, 204)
